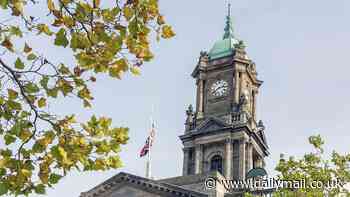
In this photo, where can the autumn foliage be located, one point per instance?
(113, 37)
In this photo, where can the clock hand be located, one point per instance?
(216, 89)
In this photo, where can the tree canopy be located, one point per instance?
(323, 177)
(103, 37)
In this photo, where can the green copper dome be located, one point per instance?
(226, 45)
(223, 48)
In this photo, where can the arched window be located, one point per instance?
(216, 163)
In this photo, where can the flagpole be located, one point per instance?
(148, 173)
(148, 163)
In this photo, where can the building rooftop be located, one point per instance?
(225, 46)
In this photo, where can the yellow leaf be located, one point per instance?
(27, 49)
(44, 172)
(167, 32)
(24, 134)
(12, 94)
(18, 8)
(135, 70)
(62, 153)
(160, 20)
(7, 44)
(50, 5)
(97, 3)
(114, 71)
(128, 13)
(2, 163)
(122, 64)
(26, 172)
(42, 102)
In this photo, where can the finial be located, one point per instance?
(229, 27)
(229, 10)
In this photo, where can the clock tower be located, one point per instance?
(223, 133)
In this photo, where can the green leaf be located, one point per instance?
(40, 189)
(31, 88)
(24, 134)
(44, 81)
(31, 56)
(16, 31)
(3, 188)
(74, 42)
(66, 88)
(54, 178)
(61, 39)
(12, 94)
(64, 69)
(44, 28)
(19, 64)
(114, 71)
(87, 104)
(2, 172)
(42, 102)
(9, 139)
(3, 4)
(14, 105)
(38, 148)
(52, 92)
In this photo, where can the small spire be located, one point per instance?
(229, 27)
(229, 10)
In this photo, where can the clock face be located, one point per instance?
(219, 88)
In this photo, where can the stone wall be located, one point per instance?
(128, 191)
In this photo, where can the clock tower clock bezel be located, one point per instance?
(219, 88)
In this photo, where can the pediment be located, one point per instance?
(131, 191)
(128, 185)
(211, 124)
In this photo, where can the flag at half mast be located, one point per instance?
(149, 142)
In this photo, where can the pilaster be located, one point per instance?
(228, 159)
(237, 81)
(186, 152)
(242, 150)
(200, 96)
(198, 159)
(249, 156)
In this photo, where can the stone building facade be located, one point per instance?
(223, 137)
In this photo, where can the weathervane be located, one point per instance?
(229, 27)
(229, 10)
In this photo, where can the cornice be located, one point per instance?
(125, 178)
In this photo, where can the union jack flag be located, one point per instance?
(149, 142)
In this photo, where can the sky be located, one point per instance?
(301, 50)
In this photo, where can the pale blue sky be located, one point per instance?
(301, 49)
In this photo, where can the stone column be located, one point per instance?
(228, 159)
(255, 93)
(200, 96)
(237, 86)
(263, 164)
(260, 162)
(185, 166)
(249, 156)
(198, 159)
(241, 168)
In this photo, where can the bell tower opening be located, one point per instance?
(216, 164)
